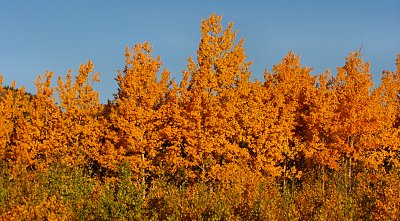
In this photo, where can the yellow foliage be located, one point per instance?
(215, 126)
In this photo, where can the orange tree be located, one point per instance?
(136, 112)
(319, 117)
(288, 86)
(45, 116)
(16, 147)
(387, 137)
(358, 114)
(80, 130)
(210, 96)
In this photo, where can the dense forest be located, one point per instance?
(217, 145)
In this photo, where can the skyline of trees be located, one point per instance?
(213, 124)
(214, 117)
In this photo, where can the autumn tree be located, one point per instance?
(44, 120)
(321, 104)
(257, 116)
(357, 115)
(16, 146)
(288, 86)
(136, 114)
(80, 129)
(6, 123)
(387, 137)
(210, 96)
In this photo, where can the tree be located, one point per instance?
(387, 136)
(136, 115)
(357, 114)
(210, 97)
(44, 120)
(16, 147)
(80, 128)
(319, 118)
(288, 86)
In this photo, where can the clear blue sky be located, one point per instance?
(41, 35)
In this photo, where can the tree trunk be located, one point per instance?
(143, 177)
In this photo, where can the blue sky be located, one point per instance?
(41, 35)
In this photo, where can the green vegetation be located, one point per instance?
(75, 194)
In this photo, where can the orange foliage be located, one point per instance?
(216, 117)
(79, 132)
(136, 115)
(215, 123)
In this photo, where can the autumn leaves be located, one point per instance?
(213, 121)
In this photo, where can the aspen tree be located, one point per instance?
(45, 115)
(387, 136)
(79, 130)
(354, 118)
(289, 84)
(16, 145)
(209, 93)
(136, 115)
(6, 126)
(319, 117)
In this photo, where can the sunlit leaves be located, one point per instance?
(215, 118)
